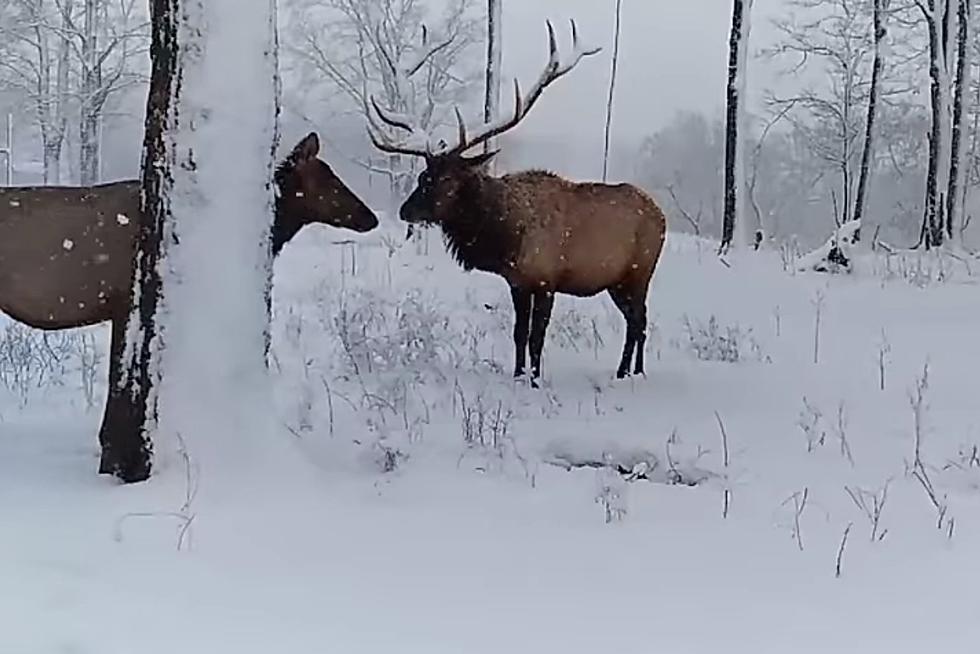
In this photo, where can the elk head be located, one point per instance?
(310, 192)
(447, 170)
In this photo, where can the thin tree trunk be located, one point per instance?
(955, 196)
(864, 174)
(933, 223)
(491, 104)
(91, 84)
(734, 122)
(612, 90)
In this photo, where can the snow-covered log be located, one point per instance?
(835, 255)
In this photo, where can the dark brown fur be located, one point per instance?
(545, 235)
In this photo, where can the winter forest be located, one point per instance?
(470, 325)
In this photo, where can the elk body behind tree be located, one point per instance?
(541, 233)
(67, 253)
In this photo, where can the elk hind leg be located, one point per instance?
(639, 328)
(623, 302)
(540, 317)
(522, 326)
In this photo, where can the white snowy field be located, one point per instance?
(415, 500)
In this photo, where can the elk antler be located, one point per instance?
(553, 71)
(418, 143)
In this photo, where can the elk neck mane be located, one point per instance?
(479, 232)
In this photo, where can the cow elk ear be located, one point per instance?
(481, 160)
(307, 149)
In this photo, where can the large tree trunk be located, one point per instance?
(877, 68)
(134, 362)
(735, 202)
(957, 171)
(193, 367)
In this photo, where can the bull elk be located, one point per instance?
(66, 253)
(541, 233)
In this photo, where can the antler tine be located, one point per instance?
(518, 98)
(553, 57)
(522, 104)
(388, 118)
(382, 142)
(462, 126)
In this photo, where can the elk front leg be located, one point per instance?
(522, 325)
(540, 317)
(639, 327)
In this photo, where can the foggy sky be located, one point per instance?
(673, 56)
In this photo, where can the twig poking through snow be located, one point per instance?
(917, 398)
(841, 429)
(840, 550)
(809, 424)
(818, 303)
(725, 462)
(871, 504)
(799, 506)
(884, 349)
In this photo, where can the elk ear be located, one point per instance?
(480, 159)
(307, 149)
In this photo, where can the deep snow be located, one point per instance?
(486, 545)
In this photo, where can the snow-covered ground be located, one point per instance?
(422, 501)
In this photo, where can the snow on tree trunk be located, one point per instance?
(961, 110)
(193, 358)
(937, 171)
(491, 104)
(877, 68)
(735, 203)
(612, 90)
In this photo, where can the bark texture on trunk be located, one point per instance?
(134, 366)
(957, 168)
(877, 68)
(737, 43)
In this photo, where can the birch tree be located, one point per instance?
(956, 195)
(35, 64)
(735, 200)
(193, 364)
(938, 16)
(106, 38)
(411, 60)
(837, 44)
